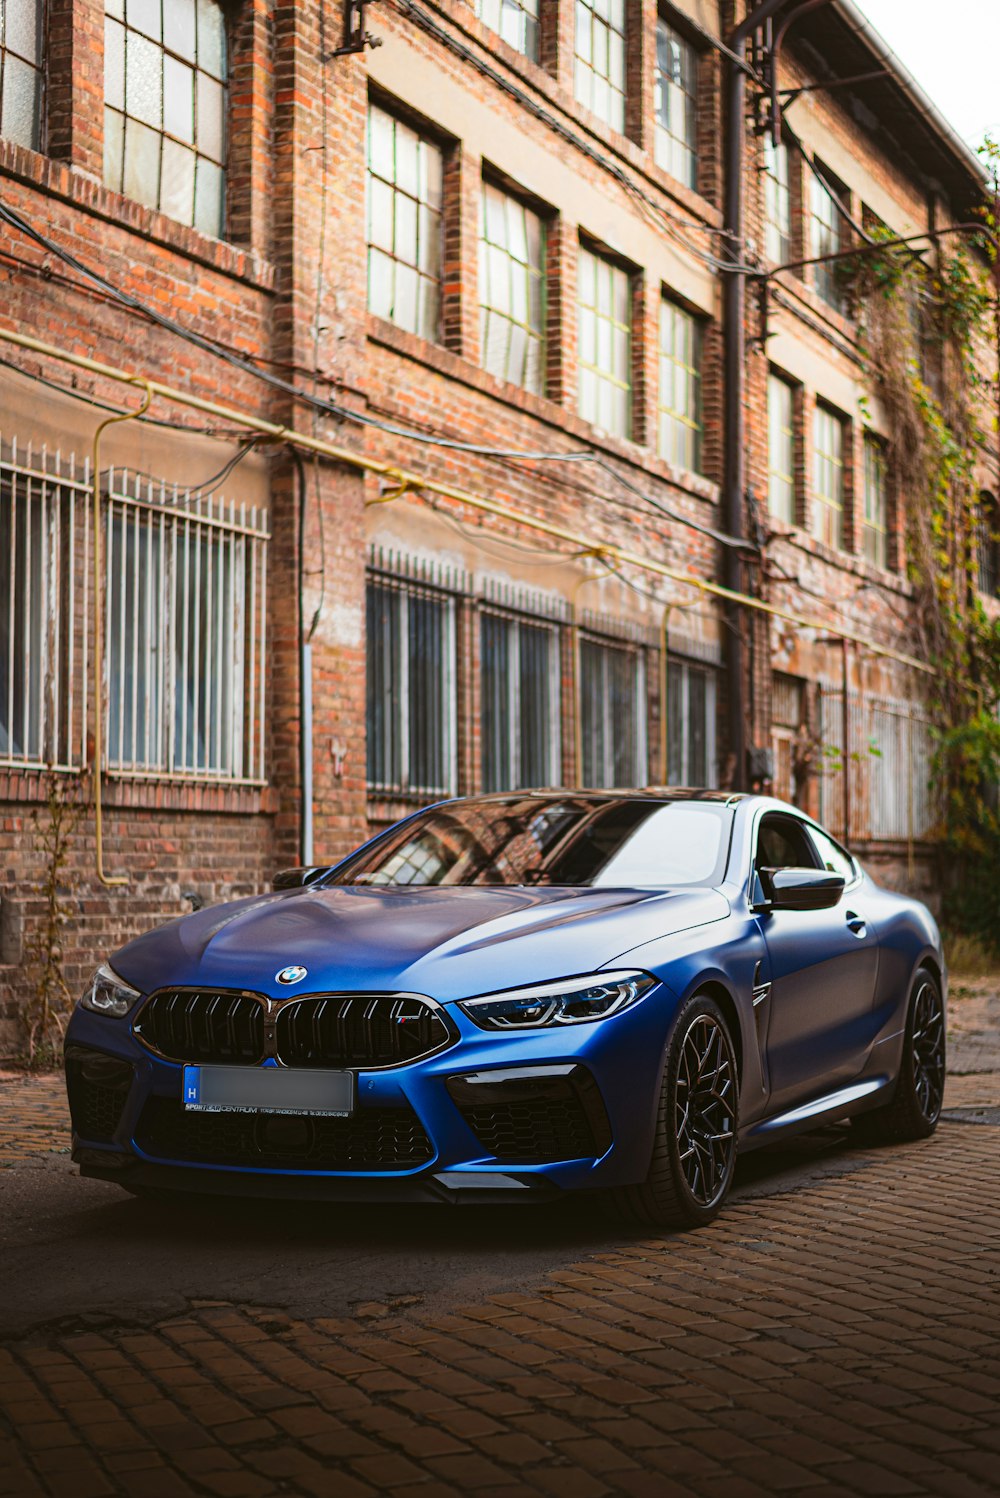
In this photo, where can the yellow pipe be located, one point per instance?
(405, 481)
(95, 491)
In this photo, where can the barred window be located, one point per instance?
(988, 545)
(519, 712)
(828, 477)
(690, 724)
(165, 74)
(777, 202)
(612, 714)
(512, 290)
(515, 20)
(875, 532)
(405, 173)
(411, 688)
(679, 397)
(599, 64)
(827, 236)
(185, 607)
(781, 448)
(676, 99)
(22, 47)
(605, 343)
(43, 525)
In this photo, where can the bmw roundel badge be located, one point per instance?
(291, 974)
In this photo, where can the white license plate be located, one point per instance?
(268, 1089)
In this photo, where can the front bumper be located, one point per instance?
(494, 1117)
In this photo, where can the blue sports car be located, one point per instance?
(508, 997)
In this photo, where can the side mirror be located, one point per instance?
(801, 889)
(296, 878)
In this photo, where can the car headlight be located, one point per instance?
(572, 1001)
(107, 994)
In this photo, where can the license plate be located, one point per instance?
(268, 1089)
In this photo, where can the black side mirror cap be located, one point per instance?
(801, 889)
(296, 878)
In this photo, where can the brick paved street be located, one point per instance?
(834, 1332)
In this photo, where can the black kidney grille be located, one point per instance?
(203, 1025)
(371, 1139)
(359, 1030)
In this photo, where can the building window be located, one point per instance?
(612, 714)
(679, 398)
(875, 532)
(777, 202)
(827, 237)
(988, 545)
(676, 91)
(165, 73)
(781, 448)
(185, 633)
(828, 477)
(405, 173)
(411, 689)
(605, 343)
(516, 21)
(690, 724)
(512, 290)
(599, 68)
(22, 45)
(789, 737)
(519, 711)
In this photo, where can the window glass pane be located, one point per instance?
(177, 181)
(516, 21)
(142, 163)
(511, 288)
(876, 520)
(144, 16)
(208, 200)
(828, 477)
(211, 38)
(599, 70)
(777, 204)
(114, 148)
(179, 28)
(22, 28)
(781, 449)
(24, 565)
(610, 715)
(675, 103)
(20, 107)
(680, 387)
(404, 224)
(604, 350)
(114, 64)
(178, 101)
(827, 239)
(210, 116)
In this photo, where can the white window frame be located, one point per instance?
(680, 428)
(781, 424)
(875, 527)
(515, 21)
(675, 140)
(513, 722)
(777, 202)
(828, 477)
(599, 61)
(420, 257)
(21, 54)
(826, 237)
(509, 285)
(600, 280)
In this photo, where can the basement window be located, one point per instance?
(515, 21)
(676, 90)
(679, 400)
(519, 712)
(165, 73)
(405, 173)
(22, 33)
(512, 290)
(599, 63)
(604, 294)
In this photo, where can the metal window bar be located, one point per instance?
(412, 698)
(611, 701)
(519, 718)
(186, 617)
(44, 552)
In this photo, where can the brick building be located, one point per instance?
(491, 253)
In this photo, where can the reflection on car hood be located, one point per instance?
(446, 942)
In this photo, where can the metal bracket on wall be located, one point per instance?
(356, 35)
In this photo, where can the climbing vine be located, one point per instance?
(930, 343)
(47, 1011)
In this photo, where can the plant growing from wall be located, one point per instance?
(929, 337)
(46, 1014)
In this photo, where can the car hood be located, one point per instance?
(445, 942)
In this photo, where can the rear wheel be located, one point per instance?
(694, 1152)
(919, 1093)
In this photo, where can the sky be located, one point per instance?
(953, 51)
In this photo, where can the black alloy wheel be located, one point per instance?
(694, 1152)
(919, 1092)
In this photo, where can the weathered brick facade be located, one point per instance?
(286, 291)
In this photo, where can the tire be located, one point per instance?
(915, 1108)
(694, 1153)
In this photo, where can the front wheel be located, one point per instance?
(694, 1151)
(919, 1092)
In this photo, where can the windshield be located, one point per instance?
(569, 840)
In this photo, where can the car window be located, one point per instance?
(832, 856)
(782, 843)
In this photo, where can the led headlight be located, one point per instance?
(572, 1001)
(107, 994)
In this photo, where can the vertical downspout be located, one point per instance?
(305, 681)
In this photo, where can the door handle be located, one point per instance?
(857, 924)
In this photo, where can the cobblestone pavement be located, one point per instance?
(834, 1332)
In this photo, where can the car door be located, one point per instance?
(823, 967)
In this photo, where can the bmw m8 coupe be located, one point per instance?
(509, 997)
